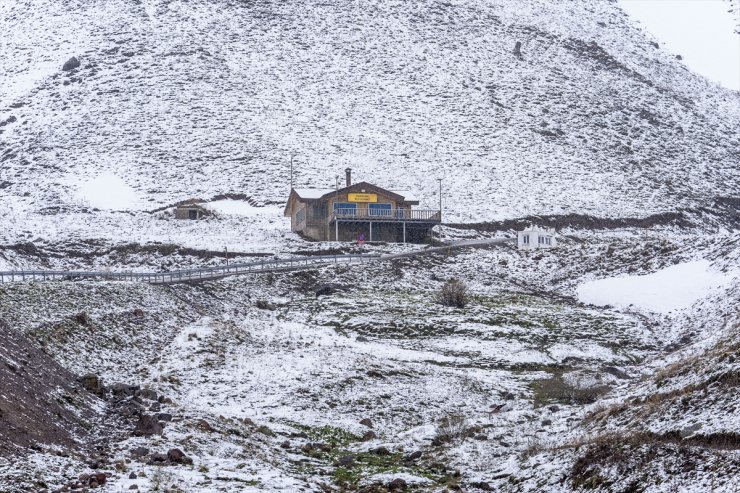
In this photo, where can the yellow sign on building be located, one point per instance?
(363, 197)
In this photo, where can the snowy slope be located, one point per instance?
(184, 99)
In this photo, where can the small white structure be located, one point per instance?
(535, 237)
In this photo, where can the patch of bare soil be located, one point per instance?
(41, 403)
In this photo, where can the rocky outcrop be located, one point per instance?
(41, 403)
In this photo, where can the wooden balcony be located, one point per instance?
(386, 215)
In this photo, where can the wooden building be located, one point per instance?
(359, 210)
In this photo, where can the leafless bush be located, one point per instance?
(453, 293)
(450, 428)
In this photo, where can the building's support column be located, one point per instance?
(404, 231)
(371, 231)
(336, 230)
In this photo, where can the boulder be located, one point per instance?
(148, 425)
(92, 383)
(397, 484)
(83, 319)
(139, 452)
(148, 394)
(413, 456)
(347, 461)
(123, 391)
(177, 456)
(71, 64)
(166, 417)
(369, 435)
(327, 289)
(157, 459)
(366, 422)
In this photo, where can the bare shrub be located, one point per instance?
(453, 293)
(450, 428)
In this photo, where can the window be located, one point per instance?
(525, 239)
(345, 208)
(318, 211)
(300, 216)
(379, 209)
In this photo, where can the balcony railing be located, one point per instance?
(399, 215)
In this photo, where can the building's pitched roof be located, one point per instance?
(303, 194)
(313, 193)
(318, 193)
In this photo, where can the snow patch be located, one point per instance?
(673, 288)
(107, 191)
(241, 208)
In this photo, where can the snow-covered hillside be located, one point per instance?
(608, 364)
(184, 99)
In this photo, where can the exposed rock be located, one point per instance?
(611, 370)
(380, 451)
(204, 425)
(147, 426)
(132, 475)
(122, 390)
(347, 461)
(413, 456)
(328, 288)
(148, 394)
(690, 430)
(176, 456)
(166, 417)
(93, 383)
(8, 120)
(370, 435)
(139, 452)
(83, 319)
(397, 484)
(40, 401)
(157, 459)
(367, 422)
(71, 64)
(518, 50)
(265, 305)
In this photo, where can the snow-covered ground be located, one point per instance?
(669, 289)
(189, 100)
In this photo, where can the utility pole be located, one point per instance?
(440, 209)
(292, 155)
(226, 254)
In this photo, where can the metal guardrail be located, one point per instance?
(205, 273)
(184, 275)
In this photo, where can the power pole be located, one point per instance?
(440, 210)
(292, 155)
